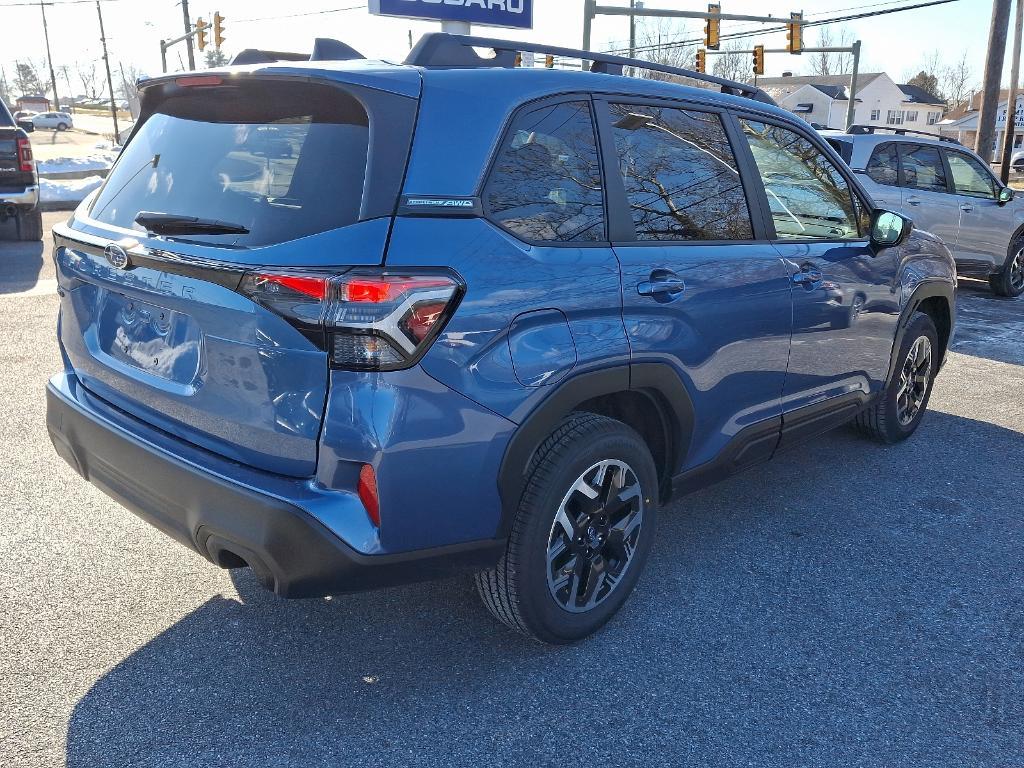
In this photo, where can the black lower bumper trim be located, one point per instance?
(291, 552)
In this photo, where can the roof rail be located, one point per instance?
(441, 50)
(863, 129)
(324, 49)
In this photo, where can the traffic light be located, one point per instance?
(218, 30)
(701, 60)
(713, 27)
(201, 33)
(758, 59)
(795, 35)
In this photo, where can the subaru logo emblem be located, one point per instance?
(116, 256)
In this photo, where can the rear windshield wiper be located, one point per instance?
(174, 224)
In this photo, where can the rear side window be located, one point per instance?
(546, 182)
(884, 165)
(969, 176)
(680, 174)
(921, 168)
(283, 160)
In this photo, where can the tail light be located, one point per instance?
(365, 321)
(25, 156)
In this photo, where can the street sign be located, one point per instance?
(492, 13)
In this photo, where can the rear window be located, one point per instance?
(284, 160)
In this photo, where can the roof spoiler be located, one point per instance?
(324, 49)
(439, 50)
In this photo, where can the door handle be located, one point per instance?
(661, 282)
(914, 200)
(808, 277)
(966, 207)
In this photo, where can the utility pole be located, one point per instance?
(993, 77)
(853, 84)
(188, 32)
(1011, 96)
(49, 58)
(632, 31)
(110, 80)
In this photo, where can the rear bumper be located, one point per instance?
(25, 198)
(227, 521)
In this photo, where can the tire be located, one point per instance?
(62, 126)
(1009, 282)
(30, 225)
(541, 585)
(896, 415)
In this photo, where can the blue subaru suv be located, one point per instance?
(353, 324)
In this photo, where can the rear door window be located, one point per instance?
(546, 182)
(284, 160)
(970, 177)
(884, 165)
(921, 168)
(680, 174)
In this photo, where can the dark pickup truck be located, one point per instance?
(19, 182)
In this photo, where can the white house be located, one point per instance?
(823, 100)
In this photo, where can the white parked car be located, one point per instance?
(59, 121)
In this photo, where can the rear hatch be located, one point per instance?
(193, 318)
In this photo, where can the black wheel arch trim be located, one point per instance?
(657, 380)
(926, 290)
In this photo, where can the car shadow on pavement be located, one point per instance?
(846, 604)
(988, 325)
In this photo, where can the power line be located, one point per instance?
(772, 30)
(361, 6)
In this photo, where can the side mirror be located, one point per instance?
(26, 125)
(889, 229)
(1005, 195)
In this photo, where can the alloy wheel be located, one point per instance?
(1017, 271)
(594, 535)
(915, 377)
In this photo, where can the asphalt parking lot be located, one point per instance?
(845, 605)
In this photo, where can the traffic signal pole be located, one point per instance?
(199, 31)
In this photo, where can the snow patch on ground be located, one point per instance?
(51, 191)
(97, 161)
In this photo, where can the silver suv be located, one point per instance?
(947, 190)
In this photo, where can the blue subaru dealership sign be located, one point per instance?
(494, 13)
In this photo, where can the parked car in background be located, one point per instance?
(19, 182)
(314, 341)
(947, 190)
(24, 114)
(58, 121)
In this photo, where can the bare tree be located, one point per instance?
(832, 63)
(957, 81)
(658, 41)
(87, 75)
(26, 78)
(733, 65)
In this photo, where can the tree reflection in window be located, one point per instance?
(546, 183)
(680, 174)
(808, 197)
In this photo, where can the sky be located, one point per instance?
(896, 43)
